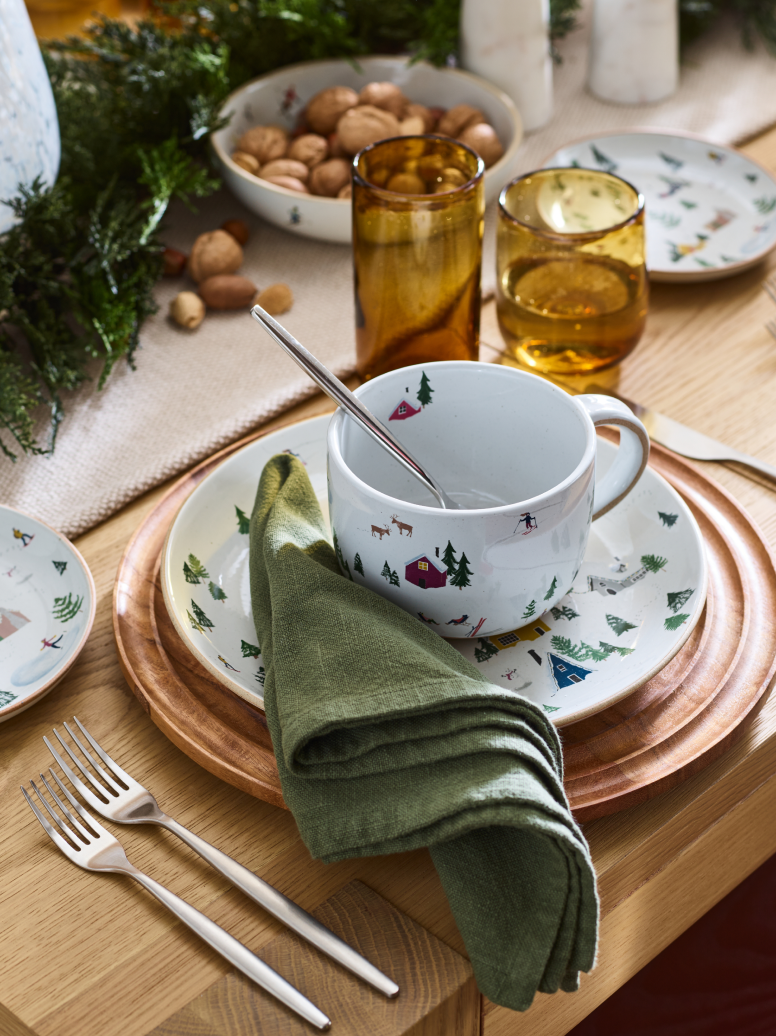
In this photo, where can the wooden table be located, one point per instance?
(94, 956)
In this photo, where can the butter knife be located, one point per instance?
(686, 441)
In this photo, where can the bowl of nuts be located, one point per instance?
(288, 147)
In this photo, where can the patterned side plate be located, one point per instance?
(47, 604)
(638, 595)
(711, 212)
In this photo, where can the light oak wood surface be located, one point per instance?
(95, 956)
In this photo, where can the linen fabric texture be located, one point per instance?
(387, 740)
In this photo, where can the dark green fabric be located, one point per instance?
(387, 739)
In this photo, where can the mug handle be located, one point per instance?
(632, 456)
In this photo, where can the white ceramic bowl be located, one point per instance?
(278, 98)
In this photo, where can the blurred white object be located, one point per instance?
(507, 42)
(29, 130)
(634, 50)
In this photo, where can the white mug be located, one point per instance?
(516, 451)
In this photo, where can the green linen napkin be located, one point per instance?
(387, 739)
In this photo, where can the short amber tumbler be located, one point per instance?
(572, 289)
(418, 211)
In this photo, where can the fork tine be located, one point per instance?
(54, 835)
(86, 835)
(87, 793)
(769, 286)
(114, 766)
(60, 823)
(109, 779)
(96, 828)
(771, 327)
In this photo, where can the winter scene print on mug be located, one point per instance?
(518, 455)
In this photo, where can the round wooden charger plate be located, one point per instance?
(664, 731)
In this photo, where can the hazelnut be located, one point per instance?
(187, 310)
(387, 96)
(289, 182)
(227, 291)
(483, 139)
(330, 177)
(264, 143)
(326, 108)
(406, 183)
(285, 167)
(246, 162)
(238, 228)
(174, 262)
(310, 148)
(414, 111)
(214, 252)
(276, 299)
(346, 191)
(412, 127)
(365, 125)
(456, 119)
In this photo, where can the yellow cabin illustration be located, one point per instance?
(535, 629)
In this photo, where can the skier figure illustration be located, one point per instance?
(222, 659)
(52, 643)
(25, 537)
(509, 674)
(427, 620)
(10, 571)
(529, 520)
(457, 622)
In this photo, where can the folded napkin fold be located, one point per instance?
(387, 739)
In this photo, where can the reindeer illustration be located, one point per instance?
(402, 525)
(383, 531)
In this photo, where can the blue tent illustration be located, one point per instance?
(566, 673)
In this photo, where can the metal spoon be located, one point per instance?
(345, 399)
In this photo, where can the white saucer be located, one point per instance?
(711, 212)
(47, 605)
(639, 593)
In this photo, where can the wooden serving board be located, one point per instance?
(664, 731)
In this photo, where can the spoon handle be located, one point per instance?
(345, 399)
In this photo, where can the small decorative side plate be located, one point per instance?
(47, 604)
(711, 212)
(638, 595)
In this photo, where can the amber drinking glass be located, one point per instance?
(418, 208)
(572, 287)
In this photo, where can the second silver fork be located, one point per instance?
(126, 801)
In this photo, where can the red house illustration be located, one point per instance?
(423, 572)
(403, 411)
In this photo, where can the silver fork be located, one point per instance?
(94, 849)
(771, 328)
(125, 801)
(769, 287)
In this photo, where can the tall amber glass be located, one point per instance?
(418, 208)
(572, 289)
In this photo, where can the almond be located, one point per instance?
(227, 291)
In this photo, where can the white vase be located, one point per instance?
(634, 50)
(507, 42)
(29, 130)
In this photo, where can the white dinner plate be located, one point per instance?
(710, 210)
(47, 604)
(639, 593)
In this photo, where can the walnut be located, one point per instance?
(387, 96)
(246, 162)
(310, 148)
(285, 167)
(213, 253)
(412, 127)
(406, 183)
(264, 143)
(326, 108)
(456, 119)
(483, 139)
(330, 177)
(365, 125)
(414, 111)
(291, 183)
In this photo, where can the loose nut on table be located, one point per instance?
(238, 228)
(187, 310)
(174, 262)
(227, 291)
(213, 253)
(264, 143)
(276, 299)
(326, 108)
